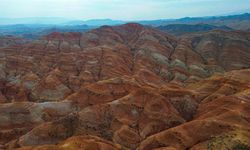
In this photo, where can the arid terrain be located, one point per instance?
(126, 87)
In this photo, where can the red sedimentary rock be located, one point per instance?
(126, 87)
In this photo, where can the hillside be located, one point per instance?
(180, 29)
(126, 87)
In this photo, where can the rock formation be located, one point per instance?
(126, 87)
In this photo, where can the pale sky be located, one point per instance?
(120, 9)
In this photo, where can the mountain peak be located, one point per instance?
(133, 25)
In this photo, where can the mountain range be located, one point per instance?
(180, 29)
(126, 87)
(214, 20)
(35, 28)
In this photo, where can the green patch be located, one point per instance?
(241, 146)
(235, 140)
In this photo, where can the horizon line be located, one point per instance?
(80, 19)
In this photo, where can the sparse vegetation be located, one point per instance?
(240, 146)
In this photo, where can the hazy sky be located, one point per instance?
(120, 9)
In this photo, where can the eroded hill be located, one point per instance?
(126, 87)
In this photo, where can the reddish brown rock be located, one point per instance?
(127, 136)
(19, 118)
(79, 142)
(220, 118)
(128, 84)
(50, 89)
(141, 113)
(230, 50)
(2, 98)
(6, 41)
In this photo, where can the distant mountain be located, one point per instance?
(37, 20)
(34, 31)
(179, 29)
(101, 22)
(68, 28)
(33, 28)
(239, 22)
